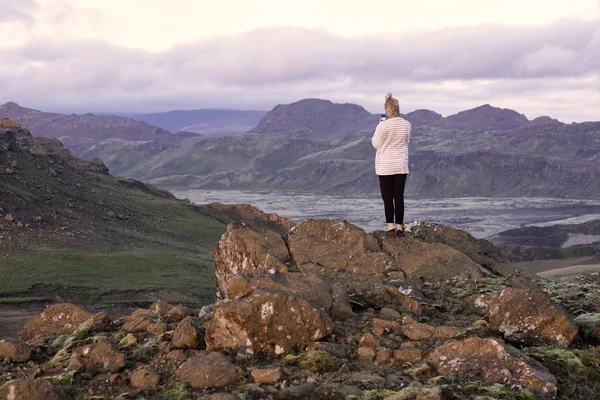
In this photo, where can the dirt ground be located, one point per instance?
(567, 272)
(14, 317)
(538, 266)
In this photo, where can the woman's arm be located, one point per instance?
(378, 136)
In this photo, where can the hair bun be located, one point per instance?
(388, 96)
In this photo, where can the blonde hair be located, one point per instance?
(392, 107)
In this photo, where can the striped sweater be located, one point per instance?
(391, 139)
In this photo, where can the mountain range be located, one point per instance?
(203, 121)
(317, 145)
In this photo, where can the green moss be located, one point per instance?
(485, 391)
(128, 341)
(65, 387)
(316, 361)
(422, 371)
(563, 355)
(145, 352)
(60, 359)
(177, 391)
(500, 392)
(380, 394)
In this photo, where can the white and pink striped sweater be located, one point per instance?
(391, 139)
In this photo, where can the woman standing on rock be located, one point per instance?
(391, 139)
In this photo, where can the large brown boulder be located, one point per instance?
(29, 389)
(55, 320)
(481, 251)
(336, 245)
(207, 371)
(244, 250)
(530, 317)
(493, 361)
(434, 262)
(101, 358)
(268, 322)
(14, 350)
(309, 287)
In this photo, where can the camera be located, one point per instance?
(382, 117)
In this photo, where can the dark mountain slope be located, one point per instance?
(315, 119)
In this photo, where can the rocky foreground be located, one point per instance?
(323, 310)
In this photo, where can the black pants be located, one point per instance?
(392, 192)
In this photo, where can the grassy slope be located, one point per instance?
(161, 244)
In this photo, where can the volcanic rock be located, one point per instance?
(144, 378)
(336, 245)
(101, 358)
(481, 251)
(268, 322)
(188, 334)
(29, 389)
(56, 320)
(243, 250)
(493, 361)
(207, 371)
(14, 350)
(434, 262)
(530, 317)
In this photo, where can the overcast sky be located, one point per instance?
(538, 57)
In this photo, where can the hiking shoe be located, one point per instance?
(390, 233)
(399, 233)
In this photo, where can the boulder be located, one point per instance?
(55, 320)
(376, 294)
(271, 322)
(14, 350)
(188, 335)
(160, 308)
(588, 324)
(309, 287)
(530, 317)
(336, 245)
(101, 357)
(97, 323)
(481, 251)
(29, 389)
(492, 361)
(139, 323)
(144, 378)
(435, 262)
(244, 250)
(207, 371)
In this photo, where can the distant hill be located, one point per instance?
(79, 132)
(316, 119)
(203, 121)
(483, 117)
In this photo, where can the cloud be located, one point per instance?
(439, 70)
(17, 10)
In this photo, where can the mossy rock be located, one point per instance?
(589, 326)
(420, 372)
(561, 354)
(316, 361)
(379, 394)
(128, 341)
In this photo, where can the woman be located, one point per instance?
(391, 139)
